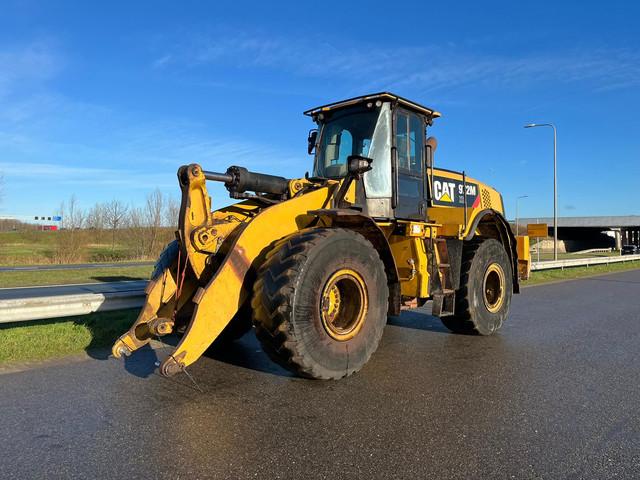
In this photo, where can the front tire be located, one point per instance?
(320, 303)
(486, 286)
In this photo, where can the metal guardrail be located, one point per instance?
(73, 266)
(591, 250)
(581, 262)
(38, 308)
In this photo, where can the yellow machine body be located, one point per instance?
(206, 282)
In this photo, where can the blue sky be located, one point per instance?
(106, 99)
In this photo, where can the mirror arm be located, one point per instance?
(356, 166)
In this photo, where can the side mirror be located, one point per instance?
(311, 140)
(358, 164)
(430, 149)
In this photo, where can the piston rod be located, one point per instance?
(218, 177)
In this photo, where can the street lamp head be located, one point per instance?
(531, 125)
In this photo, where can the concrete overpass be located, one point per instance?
(592, 232)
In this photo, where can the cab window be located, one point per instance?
(409, 143)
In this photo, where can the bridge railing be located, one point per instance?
(581, 262)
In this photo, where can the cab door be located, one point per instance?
(409, 165)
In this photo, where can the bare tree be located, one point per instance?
(171, 212)
(136, 231)
(154, 210)
(114, 212)
(96, 218)
(70, 242)
(75, 217)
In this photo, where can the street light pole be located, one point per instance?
(555, 185)
(517, 224)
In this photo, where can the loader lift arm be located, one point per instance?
(216, 262)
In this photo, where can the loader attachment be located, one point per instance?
(212, 265)
(218, 301)
(166, 294)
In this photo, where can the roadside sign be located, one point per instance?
(538, 230)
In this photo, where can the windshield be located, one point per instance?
(346, 133)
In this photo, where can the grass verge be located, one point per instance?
(44, 339)
(544, 276)
(60, 277)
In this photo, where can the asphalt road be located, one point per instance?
(59, 290)
(73, 266)
(554, 395)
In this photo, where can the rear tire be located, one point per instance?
(486, 286)
(320, 303)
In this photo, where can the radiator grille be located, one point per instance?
(486, 199)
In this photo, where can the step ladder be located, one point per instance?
(444, 297)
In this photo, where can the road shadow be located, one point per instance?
(118, 278)
(143, 362)
(105, 328)
(419, 320)
(247, 352)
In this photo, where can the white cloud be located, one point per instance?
(162, 61)
(46, 134)
(56, 175)
(26, 63)
(432, 67)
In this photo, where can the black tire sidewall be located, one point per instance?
(166, 258)
(342, 249)
(486, 322)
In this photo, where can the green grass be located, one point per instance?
(544, 276)
(26, 252)
(21, 247)
(44, 339)
(59, 277)
(31, 247)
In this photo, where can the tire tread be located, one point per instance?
(273, 299)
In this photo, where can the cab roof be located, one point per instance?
(383, 96)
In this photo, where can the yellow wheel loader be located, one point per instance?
(316, 264)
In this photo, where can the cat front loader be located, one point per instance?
(316, 264)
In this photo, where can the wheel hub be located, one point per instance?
(343, 305)
(493, 287)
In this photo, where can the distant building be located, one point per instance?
(581, 233)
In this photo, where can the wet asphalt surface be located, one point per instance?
(555, 395)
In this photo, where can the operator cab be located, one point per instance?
(389, 130)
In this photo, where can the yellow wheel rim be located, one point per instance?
(343, 304)
(493, 287)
